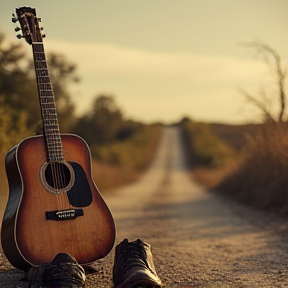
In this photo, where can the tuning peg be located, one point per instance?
(19, 36)
(43, 35)
(39, 19)
(17, 29)
(14, 18)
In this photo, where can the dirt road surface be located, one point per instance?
(198, 239)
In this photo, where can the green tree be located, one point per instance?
(14, 86)
(102, 124)
(18, 89)
(12, 128)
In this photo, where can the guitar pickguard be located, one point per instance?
(80, 193)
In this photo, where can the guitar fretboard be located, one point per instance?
(47, 104)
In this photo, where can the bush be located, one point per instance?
(203, 147)
(261, 178)
(134, 152)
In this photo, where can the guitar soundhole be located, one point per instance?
(57, 177)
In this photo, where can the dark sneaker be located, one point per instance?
(62, 272)
(133, 266)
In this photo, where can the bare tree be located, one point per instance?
(274, 61)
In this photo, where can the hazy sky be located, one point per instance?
(163, 59)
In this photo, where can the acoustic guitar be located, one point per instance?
(53, 204)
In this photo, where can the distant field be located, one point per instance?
(235, 135)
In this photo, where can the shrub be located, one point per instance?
(203, 147)
(261, 178)
(135, 152)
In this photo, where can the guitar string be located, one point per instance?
(57, 165)
(43, 102)
(49, 134)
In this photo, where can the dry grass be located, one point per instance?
(203, 147)
(211, 177)
(136, 155)
(261, 178)
(107, 176)
(235, 135)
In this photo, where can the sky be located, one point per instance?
(163, 60)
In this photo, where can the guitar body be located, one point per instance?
(33, 229)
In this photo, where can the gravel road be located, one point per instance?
(199, 239)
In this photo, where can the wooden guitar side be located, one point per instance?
(27, 237)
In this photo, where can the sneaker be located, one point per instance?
(63, 271)
(133, 266)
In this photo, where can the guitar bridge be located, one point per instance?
(60, 215)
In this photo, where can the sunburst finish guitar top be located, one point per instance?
(53, 205)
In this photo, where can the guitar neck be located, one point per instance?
(47, 105)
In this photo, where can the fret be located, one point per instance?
(48, 108)
(53, 137)
(43, 73)
(51, 132)
(50, 121)
(54, 140)
(46, 93)
(51, 127)
(49, 113)
(58, 151)
(40, 65)
(43, 78)
(39, 56)
(56, 158)
(53, 145)
(54, 148)
(45, 86)
(47, 104)
(55, 151)
(39, 45)
(50, 118)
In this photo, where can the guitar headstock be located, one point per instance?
(29, 24)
